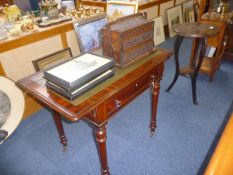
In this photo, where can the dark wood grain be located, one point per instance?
(195, 30)
(155, 87)
(228, 55)
(100, 136)
(59, 126)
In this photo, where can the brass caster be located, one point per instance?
(65, 148)
(151, 132)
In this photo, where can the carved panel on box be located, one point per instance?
(129, 56)
(139, 39)
(128, 38)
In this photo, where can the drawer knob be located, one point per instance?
(136, 84)
(118, 104)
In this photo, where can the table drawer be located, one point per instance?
(129, 92)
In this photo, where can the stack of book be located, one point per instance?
(74, 77)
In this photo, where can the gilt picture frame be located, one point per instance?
(117, 9)
(159, 35)
(52, 59)
(174, 16)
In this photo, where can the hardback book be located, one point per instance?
(78, 71)
(80, 90)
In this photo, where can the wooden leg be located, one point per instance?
(193, 81)
(154, 103)
(178, 42)
(59, 126)
(202, 46)
(100, 136)
(211, 77)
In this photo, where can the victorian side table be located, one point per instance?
(199, 32)
(98, 105)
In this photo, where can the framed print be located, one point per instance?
(159, 36)
(53, 59)
(189, 15)
(163, 10)
(174, 16)
(196, 8)
(117, 9)
(186, 5)
(88, 32)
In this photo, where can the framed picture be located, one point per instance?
(189, 15)
(163, 10)
(159, 36)
(196, 8)
(116, 9)
(174, 16)
(185, 5)
(53, 59)
(87, 31)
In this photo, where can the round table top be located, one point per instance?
(195, 30)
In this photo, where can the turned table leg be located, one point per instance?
(100, 136)
(155, 87)
(59, 126)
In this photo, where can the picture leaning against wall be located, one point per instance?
(117, 9)
(159, 35)
(174, 16)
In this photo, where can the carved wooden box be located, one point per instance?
(128, 38)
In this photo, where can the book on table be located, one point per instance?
(79, 71)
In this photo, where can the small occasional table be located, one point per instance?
(200, 32)
(98, 105)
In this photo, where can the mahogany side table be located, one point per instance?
(98, 105)
(199, 32)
